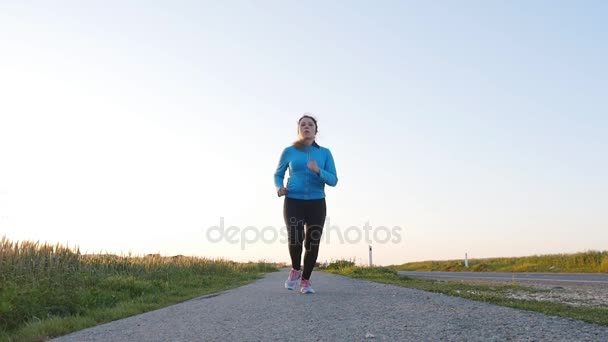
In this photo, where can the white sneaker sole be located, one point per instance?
(307, 291)
(291, 285)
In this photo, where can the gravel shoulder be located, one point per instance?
(583, 295)
(343, 309)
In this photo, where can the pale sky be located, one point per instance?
(472, 127)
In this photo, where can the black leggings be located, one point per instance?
(298, 214)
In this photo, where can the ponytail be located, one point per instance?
(299, 144)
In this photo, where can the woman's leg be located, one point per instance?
(315, 220)
(293, 214)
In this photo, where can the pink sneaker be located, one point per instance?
(306, 286)
(292, 279)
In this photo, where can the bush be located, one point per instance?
(340, 264)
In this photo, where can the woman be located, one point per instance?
(310, 168)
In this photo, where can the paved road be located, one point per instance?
(343, 309)
(552, 278)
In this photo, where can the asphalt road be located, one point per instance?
(343, 309)
(552, 278)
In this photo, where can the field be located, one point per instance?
(583, 262)
(50, 290)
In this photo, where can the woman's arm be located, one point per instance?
(328, 174)
(279, 174)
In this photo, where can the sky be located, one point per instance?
(137, 127)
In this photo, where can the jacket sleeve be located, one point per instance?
(328, 174)
(279, 174)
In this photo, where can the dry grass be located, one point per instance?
(44, 288)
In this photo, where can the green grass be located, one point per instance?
(494, 294)
(48, 291)
(584, 262)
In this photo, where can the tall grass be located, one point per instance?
(43, 281)
(583, 262)
(338, 264)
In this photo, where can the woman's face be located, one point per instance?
(307, 129)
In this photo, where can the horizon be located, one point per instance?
(475, 128)
(359, 263)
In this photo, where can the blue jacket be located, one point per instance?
(304, 183)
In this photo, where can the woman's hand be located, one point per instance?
(282, 191)
(312, 164)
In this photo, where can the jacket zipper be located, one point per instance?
(307, 173)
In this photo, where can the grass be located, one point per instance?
(50, 290)
(495, 294)
(584, 262)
